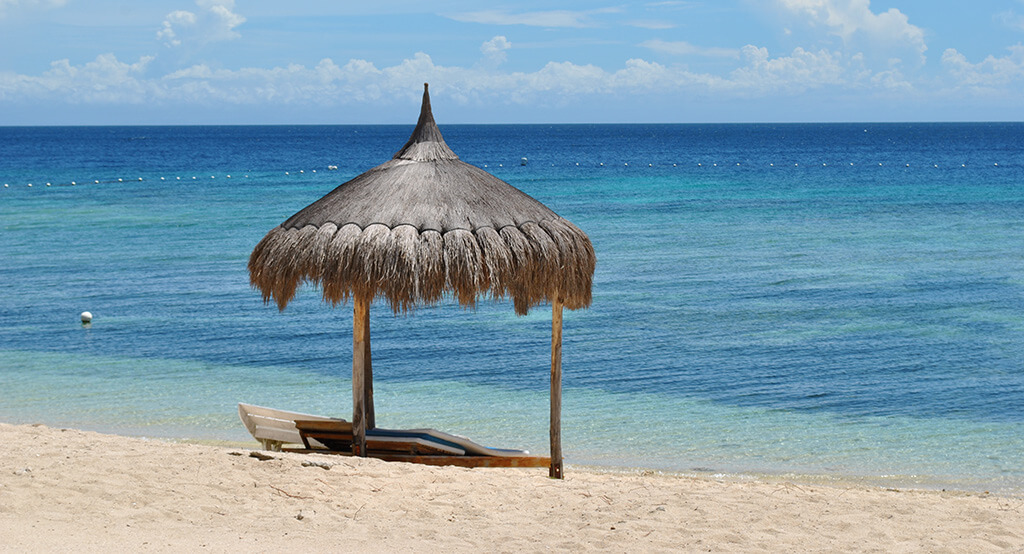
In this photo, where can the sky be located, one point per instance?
(170, 62)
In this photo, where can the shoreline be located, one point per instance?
(825, 479)
(62, 489)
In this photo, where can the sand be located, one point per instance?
(67, 490)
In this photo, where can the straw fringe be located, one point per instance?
(532, 263)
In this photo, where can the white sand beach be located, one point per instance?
(64, 490)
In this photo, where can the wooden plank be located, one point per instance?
(460, 461)
(556, 390)
(359, 319)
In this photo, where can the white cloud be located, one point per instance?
(6, 5)
(990, 73)
(757, 74)
(1012, 20)
(214, 22)
(850, 18)
(800, 71)
(103, 80)
(551, 18)
(494, 50)
(683, 48)
(652, 24)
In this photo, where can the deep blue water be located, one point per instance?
(826, 299)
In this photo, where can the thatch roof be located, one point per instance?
(422, 224)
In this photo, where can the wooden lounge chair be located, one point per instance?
(276, 428)
(325, 435)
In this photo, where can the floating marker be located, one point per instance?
(229, 176)
(47, 184)
(193, 178)
(772, 165)
(30, 184)
(86, 318)
(119, 180)
(179, 178)
(161, 178)
(286, 173)
(302, 171)
(5, 185)
(314, 171)
(140, 178)
(626, 165)
(97, 182)
(650, 165)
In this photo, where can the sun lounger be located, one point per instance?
(276, 428)
(318, 434)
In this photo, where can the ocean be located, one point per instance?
(806, 301)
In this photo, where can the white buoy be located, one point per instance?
(161, 178)
(86, 318)
(302, 171)
(97, 182)
(140, 178)
(119, 180)
(47, 184)
(286, 173)
(229, 176)
(523, 161)
(30, 184)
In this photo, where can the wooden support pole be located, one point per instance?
(556, 390)
(360, 332)
(371, 421)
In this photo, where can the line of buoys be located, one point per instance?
(335, 167)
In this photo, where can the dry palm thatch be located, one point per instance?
(423, 224)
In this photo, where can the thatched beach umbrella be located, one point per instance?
(415, 228)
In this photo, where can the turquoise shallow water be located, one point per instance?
(768, 299)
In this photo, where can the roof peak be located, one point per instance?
(426, 143)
